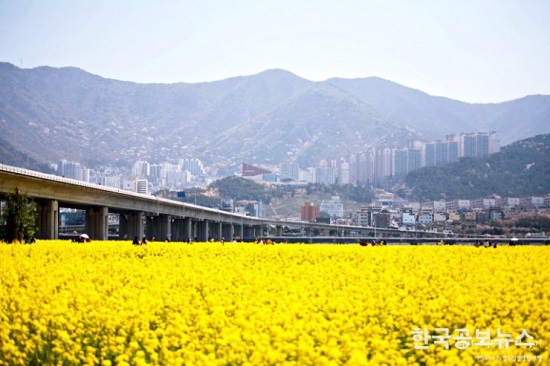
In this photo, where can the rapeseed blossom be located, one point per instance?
(112, 303)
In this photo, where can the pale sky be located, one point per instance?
(476, 51)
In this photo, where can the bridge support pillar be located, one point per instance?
(202, 230)
(258, 230)
(252, 232)
(217, 230)
(97, 222)
(165, 233)
(159, 227)
(48, 220)
(279, 230)
(188, 229)
(248, 233)
(228, 231)
(131, 225)
(239, 231)
(176, 228)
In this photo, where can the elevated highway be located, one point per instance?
(145, 215)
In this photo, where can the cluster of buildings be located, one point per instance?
(382, 166)
(143, 178)
(379, 166)
(389, 213)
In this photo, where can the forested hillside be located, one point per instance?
(519, 169)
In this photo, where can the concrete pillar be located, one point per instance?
(188, 229)
(239, 231)
(202, 230)
(48, 220)
(166, 227)
(258, 230)
(252, 232)
(159, 227)
(176, 229)
(217, 230)
(152, 227)
(123, 227)
(279, 230)
(228, 231)
(97, 222)
(132, 225)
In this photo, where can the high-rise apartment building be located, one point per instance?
(344, 172)
(478, 145)
(401, 163)
(414, 159)
(361, 168)
(383, 165)
(440, 153)
(290, 171)
(71, 169)
(113, 181)
(141, 169)
(194, 166)
(405, 160)
(325, 176)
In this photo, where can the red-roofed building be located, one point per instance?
(251, 170)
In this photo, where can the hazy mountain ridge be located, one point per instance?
(50, 114)
(438, 116)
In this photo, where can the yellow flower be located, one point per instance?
(113, 303)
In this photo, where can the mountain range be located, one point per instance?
(48, 114)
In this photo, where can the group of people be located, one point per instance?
(374, 243)
(486, 244)
(138, 242)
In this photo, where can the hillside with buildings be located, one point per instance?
(268, 119)
(519, 169)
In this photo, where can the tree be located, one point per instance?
(19, 217)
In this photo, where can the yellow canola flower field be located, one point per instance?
(112, 303)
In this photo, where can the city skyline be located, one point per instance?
(376, 165)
